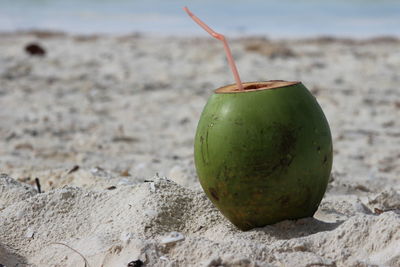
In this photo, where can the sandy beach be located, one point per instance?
(105, 126)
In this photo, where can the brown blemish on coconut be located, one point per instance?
(286, 141)
(284, 200)
(213, 193)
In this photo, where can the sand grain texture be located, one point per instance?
(107, 123)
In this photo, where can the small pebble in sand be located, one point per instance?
(164, 258)
(126, 237)
(29, 233)
(125, 181)
(152, 187)
(136, 263)
(35, 49)
(172, 237)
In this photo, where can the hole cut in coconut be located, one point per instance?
(255, 86)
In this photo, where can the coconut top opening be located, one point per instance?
(255, 86)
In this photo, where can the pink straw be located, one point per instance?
(226, 47)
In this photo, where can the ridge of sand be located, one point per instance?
(114, 227)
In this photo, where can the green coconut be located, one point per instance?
(263, 154)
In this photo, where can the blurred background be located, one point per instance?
(276, 18)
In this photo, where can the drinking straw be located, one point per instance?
(222, 38)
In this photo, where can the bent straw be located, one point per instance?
(222, 38)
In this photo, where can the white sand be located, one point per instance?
(125, 110)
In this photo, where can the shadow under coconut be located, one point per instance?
(7, 258)
(289, 229)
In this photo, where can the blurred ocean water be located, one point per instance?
(275, 18)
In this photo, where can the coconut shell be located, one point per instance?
(264, 154)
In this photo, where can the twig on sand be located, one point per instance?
(74, 169)
(74, 250)
(38, 185)
(380, 211)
